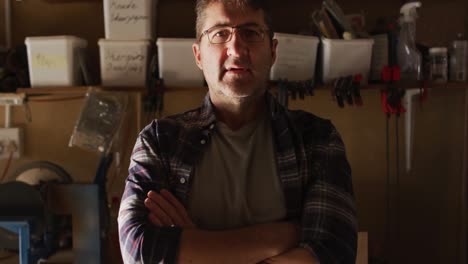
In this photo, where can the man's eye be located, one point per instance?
(221, 33)
(251, 32)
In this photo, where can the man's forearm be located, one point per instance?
(245, 245)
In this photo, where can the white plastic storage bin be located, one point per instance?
(129, 19)
(296, 57)
(54, 60)
(341, 58)
(123, 62)
(177, 65)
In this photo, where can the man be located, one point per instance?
(240, 179)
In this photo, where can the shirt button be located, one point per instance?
(212, 126)
(182, 180)
(203, 142)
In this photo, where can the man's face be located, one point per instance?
(236, 69)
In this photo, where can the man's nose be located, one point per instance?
(236, 47)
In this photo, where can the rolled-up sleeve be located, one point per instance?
(140, 240)
(329, 223)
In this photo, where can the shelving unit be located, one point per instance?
(76, 90)
(79, 90)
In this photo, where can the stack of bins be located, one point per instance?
(124, 53)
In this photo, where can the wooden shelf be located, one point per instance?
(76, 90)
(80, 90)
(431, 85)
(415, 85)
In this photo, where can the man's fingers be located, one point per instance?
(155, 220)
(180, 208)
(157, 211)
(167, 207)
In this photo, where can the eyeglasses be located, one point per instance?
(223, 34)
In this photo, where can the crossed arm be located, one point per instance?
(262, 243)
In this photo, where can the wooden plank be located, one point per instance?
(76, 90)
(362, 248)
(83, 89)
(464, 187)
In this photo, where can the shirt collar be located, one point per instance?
(208, 117)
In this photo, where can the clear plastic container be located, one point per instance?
(54, 60)
(439, 64)
(342, 58)
(123, 62)
(458, 61)
(177, 65)
(295, 57)
(100, 119)
(129, 19)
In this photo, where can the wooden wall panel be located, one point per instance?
(363, 132)
(430, 196)
(47, 137)
(2, 24)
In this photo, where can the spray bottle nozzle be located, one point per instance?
(409, 11)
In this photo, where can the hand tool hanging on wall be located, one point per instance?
(347, 89)
(337, 92)
(356, 90)
(342, 24)
(292, 88)
(283, 94)
(391, 98)
(153, 102)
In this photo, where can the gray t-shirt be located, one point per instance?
(236, 182)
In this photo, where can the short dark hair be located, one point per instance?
(254, 4)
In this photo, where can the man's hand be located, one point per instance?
(166, 210)
(294, 256)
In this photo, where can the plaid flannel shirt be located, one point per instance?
(312, 167)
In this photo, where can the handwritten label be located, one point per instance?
(125, 62)
(296, 55)
(127, 12)
(123, 5)
(295, 60)
(128, 19)
(48, 61)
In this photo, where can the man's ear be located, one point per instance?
(197, 54)
(274, 45)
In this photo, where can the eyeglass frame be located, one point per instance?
(264, 30)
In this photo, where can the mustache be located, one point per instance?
(237, 62)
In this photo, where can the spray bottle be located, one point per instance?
(408, 56)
